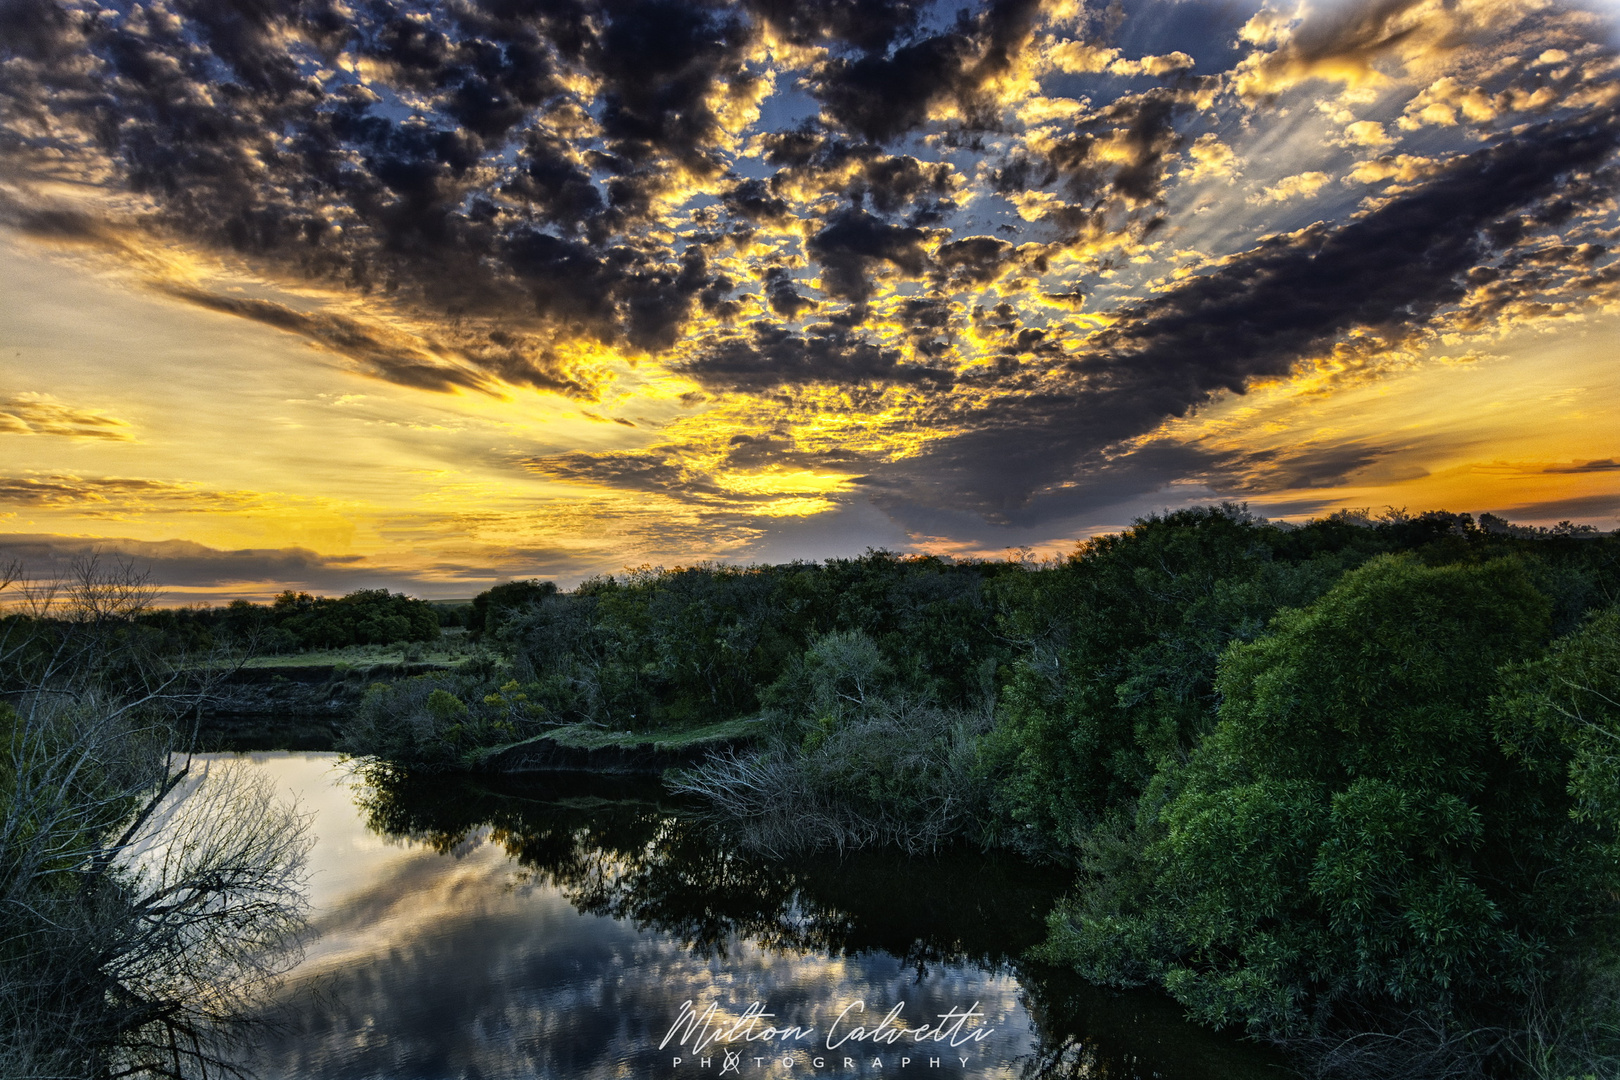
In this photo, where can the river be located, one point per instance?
(558, 927)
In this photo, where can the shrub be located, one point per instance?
(856, 761)
(1352, 848)
(426, 722)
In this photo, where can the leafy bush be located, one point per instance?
(898, 774)
(434, 722)
(1356, 846)
(1119, 651)
(491, 608)
(692, 646)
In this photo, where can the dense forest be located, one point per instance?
(1352, 786)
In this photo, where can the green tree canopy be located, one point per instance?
(1352, 839)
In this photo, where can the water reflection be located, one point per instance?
(554, 928)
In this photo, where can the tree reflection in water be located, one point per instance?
(623, 848)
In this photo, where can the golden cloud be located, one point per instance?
(42, 414)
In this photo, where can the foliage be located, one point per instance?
(367, 617)
(1565, 706)
(858, 757)
(434, 722)
(657, 648)
(295, 621)
(1119, 644)
(491, 608)
(1355, 845)
(145, 908)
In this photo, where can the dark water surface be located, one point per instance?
(555, 928)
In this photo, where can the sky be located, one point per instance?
(332, 294)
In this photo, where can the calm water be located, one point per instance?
(556, 927)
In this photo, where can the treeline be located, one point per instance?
(296, 621)
(1353, 785)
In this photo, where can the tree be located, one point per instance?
(1351, 848)
(1559, 717)
(146, 902)
(491, 607)
(1119, 649)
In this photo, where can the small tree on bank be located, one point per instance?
(146, 902)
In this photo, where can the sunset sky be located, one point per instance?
(333, 294)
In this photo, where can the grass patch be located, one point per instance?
(584, 737)
(592, 738)
(449, 651)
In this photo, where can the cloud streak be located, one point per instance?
(41, 414)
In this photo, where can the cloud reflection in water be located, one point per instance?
(554, 929)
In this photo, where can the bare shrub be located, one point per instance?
(899, 774)
(144, 904)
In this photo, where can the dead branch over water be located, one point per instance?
(147, 900)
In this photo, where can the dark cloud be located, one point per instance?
(1107, 487)
(661, 62)
(622, 292)
(752, 199)
(770, 356)
(883, 94)
(183, 567)
(1256, 315)
(675, 470)
(1591, 509)
(117, 495)
(890, 183)
(855, 244)
(558, 189)
(1389, 270)
(784, 295)
(396, 357)
(1115, 486)
(661, 471)
(976, 260)
(182, 563)
(655, 471)
(1294, 469)
(1603, 465)
(390, 360)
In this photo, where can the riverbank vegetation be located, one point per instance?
(147, 901)
(1352, 786)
